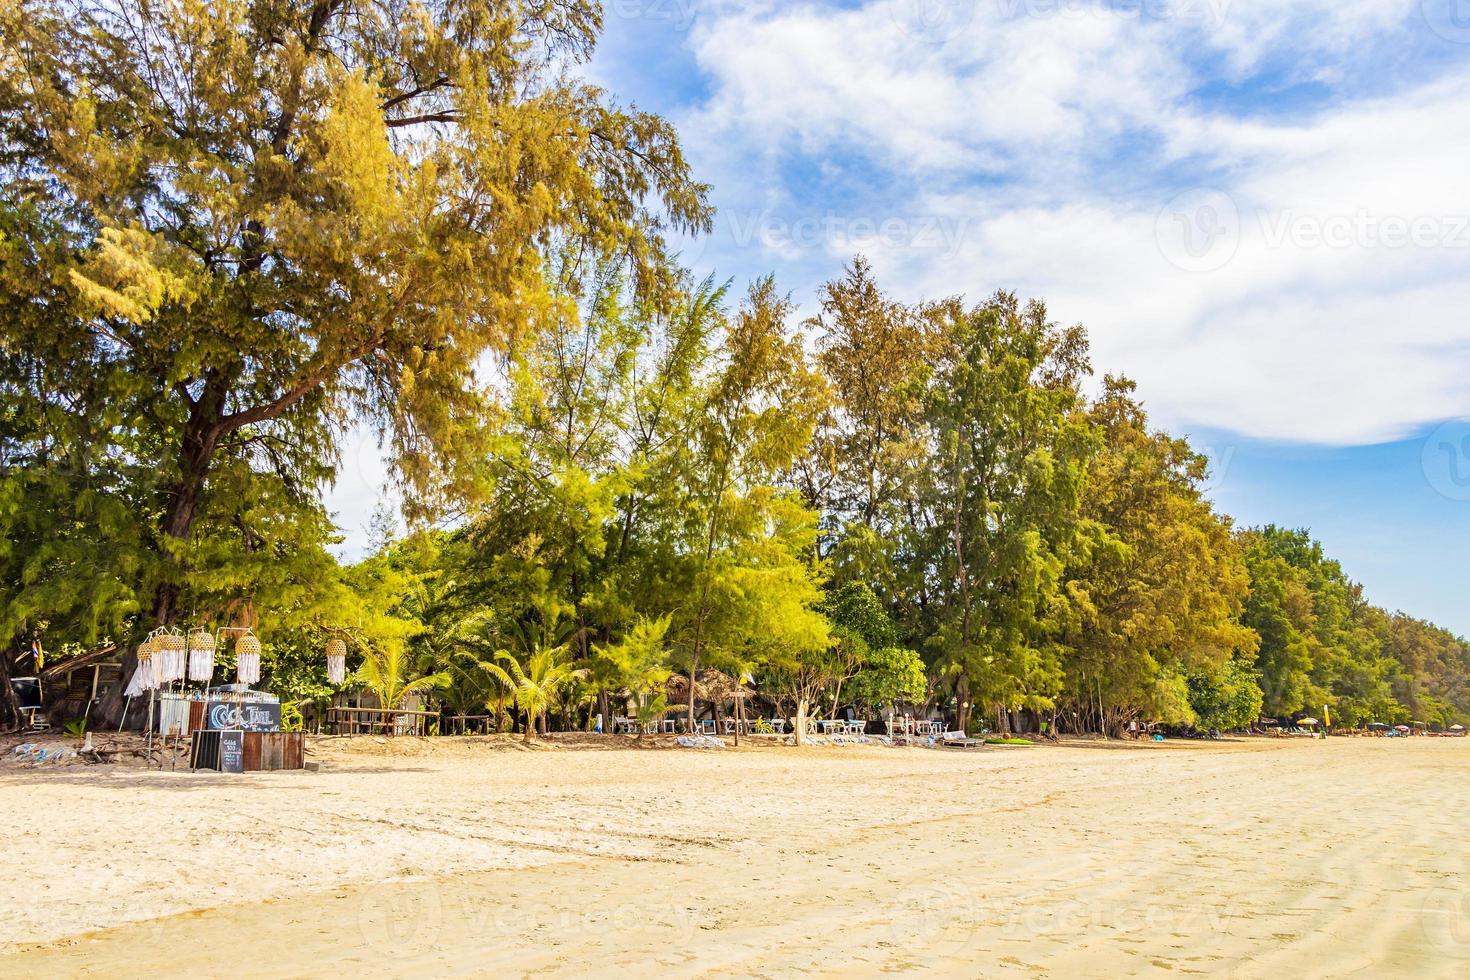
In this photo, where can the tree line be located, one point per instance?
(230, 232)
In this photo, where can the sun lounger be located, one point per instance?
(959, 740)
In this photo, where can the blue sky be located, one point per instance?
(1260, 210)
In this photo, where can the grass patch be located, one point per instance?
(1009, 741)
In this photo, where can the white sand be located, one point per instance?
(1288, 858)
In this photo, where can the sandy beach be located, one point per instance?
(464, 857)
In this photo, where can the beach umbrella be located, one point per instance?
(247, 659)
(201, 655)
(336, 660)
(1401, 728)
(1307, 721)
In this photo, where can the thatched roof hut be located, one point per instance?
(709, 685)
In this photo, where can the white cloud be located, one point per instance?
(1056, 140)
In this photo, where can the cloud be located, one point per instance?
(1070, 150)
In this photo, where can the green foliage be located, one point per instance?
(230, 231)
(890, 675)
(1230, 697)
(1322, 644)
(1004, 489)
(1158, 589)
(535, 683)
(227, 229)
(292, 719)
(637, 665)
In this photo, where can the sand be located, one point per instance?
(1288, 858)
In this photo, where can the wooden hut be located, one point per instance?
(711, 687)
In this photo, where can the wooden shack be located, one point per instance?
(237, 751)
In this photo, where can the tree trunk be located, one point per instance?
(962, 713)
(10, 719)
(201, 437)
(691, 696)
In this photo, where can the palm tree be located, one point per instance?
(533, 685)
(386, 671)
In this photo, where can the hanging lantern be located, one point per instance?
(168, 658)
(336, 660)
(247, 659)
(138, 683)
(147, 673)
(201, 655)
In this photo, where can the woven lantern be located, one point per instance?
(168, 658)
(146, 673)
(336, 660)
(201, 655)
(142, 676)
(247, 659)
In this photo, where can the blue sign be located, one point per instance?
(258, 716)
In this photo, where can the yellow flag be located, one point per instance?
(1326, 717)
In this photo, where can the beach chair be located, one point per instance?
(959, 740)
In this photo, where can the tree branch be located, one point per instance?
(448, 116)
(441, 82)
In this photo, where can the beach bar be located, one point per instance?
(235, 729)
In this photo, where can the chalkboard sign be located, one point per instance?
(221, 751)
(250, 716)
(231, 751)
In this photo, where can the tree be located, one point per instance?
(534, 684)
(891, 675)
(876, 354)
(859, 625)
(1228, 698)
(1433, 677)
(1156, 592)
(387, 672)
(1279, 609)
(1000, 508)
(637, 666)
(260, 219)
(757, 413)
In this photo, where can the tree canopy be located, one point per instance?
(231, 232)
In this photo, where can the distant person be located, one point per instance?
(597, 726)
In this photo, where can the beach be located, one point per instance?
(1256, 857)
